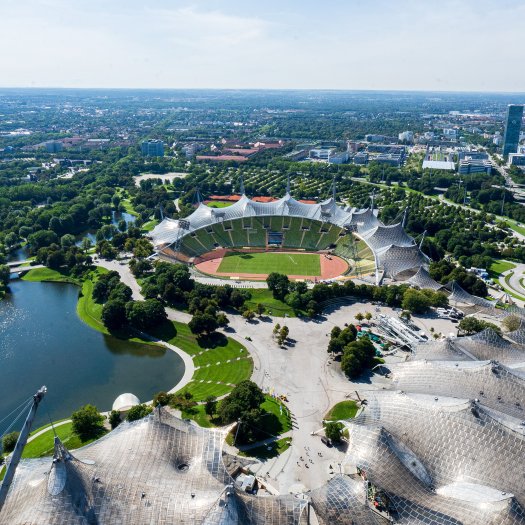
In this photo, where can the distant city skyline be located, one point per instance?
(450, 45)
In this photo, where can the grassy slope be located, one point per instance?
(498, 267)
(342, 410)
(265, 263)
(265, 297)
(214, 350)
(43, 445)
(48, 275)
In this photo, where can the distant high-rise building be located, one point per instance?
(512, 129)
(152, 148)
(54, 146)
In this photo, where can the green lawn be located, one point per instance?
(498, 267)
(282, 422)
(265, 297)
(198, 415)
(47, 274)
(148, 226)
(219, 204)
(214, 350)
(129, 207)
(265, 263)
(43, 445)
(233, 372)
(343, 410)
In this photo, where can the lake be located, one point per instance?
(43, 342)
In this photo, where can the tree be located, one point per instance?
(472, 325)
(276, 329)
(114, 419)
(9, 442)
(145, 314)
(142, 248)
(88, 422)
(222, 320)
(260, 308)
(415, 301)
(359, 317)
(211, 405)
(138, 412)
(162, 399)
(248, 314)
(203, 324)
(368, 316)
(357, 356)
(333, 431)
(279, 285)
(5, 272)
(283, 335)
(243, 398)
(114, 314)
(86, 244)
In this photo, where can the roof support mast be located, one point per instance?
(19, 447)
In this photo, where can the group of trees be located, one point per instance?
(120, 310)
(172, 284)
(420, 301)
(357, 355)
(5, 272)
(473, 325)
(445, 271)
(243, 405)
(416, 301)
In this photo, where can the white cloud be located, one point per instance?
(408, 44)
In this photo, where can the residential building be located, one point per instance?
(473, 155)
(512, 129)
(450, 133)
(469, 165)
(361, 158)
(516, 159)
(152, 148)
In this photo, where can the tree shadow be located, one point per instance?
(212, 340)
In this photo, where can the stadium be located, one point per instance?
(321, 241)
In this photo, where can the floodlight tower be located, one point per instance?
(19, 447)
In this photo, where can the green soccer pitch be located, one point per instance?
(266, 263)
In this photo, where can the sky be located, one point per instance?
(445, 45)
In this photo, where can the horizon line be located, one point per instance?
(290, 89)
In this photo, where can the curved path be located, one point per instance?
(129, 279)
(514, 285)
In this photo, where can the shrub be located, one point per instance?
(138, 412)
(9, 442)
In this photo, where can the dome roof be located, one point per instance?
(125, 402)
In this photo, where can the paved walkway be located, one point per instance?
(514, 284)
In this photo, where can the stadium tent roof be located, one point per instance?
(423, 280)
(159, 469)
(441, 460)
(393, 249)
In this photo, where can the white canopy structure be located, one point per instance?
(393, 249)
